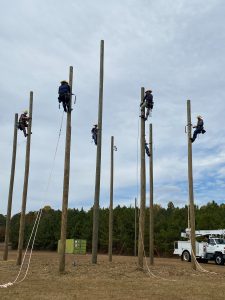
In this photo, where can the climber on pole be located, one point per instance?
(147, 149)
(148, 103)
(23, 122)
(199, 128)
(94, 132)
(64, 95)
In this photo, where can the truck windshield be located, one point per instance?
(220, 241)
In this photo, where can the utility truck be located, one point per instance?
(211, 248)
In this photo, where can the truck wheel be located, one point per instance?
(219, 259)
(186, 256)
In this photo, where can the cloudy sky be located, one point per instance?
(174, 47)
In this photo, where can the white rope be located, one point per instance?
(199, 267)
(36, 223)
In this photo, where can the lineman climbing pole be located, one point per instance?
(151, 212)
(98, 161)
(190, 185)
(11, 185)
(66, 182)
(143, 189)
(111, 200)
(25, 186)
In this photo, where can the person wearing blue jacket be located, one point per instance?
(94, 132)
(147, 149)
(199, 128)
(64, 95)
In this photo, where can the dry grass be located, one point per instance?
(117, 280)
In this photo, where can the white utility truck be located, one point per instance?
(212, 248)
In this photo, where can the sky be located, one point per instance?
(174, 47)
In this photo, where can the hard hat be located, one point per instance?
(199, 117)
(64, 81)
(148, 91)
(25, 112)
(95, 125)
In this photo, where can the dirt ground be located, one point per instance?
(168, 279)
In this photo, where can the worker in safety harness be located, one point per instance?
(94, 132)
(199, 128)
(64, 95)
(23, 122)
(148, 103)
(147, 149)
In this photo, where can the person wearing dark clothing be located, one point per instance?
(94, 132)
(147, 149)
(148, 103)
(64, 95)
(23, 122)
(199, 128)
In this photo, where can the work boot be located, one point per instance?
(192, 140)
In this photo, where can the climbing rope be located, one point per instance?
(199, 267)
(36, 223)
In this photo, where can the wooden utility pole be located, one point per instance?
(190, 185)
(151, 212)
(25, 185)
(111, 200)
(66, 182)
(135, 227)
(98, 161)
(142, 189)
(11, 185)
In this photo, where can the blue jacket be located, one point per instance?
(200, 124)
(64, 89)
(148, 97)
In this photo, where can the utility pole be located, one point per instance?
(111, 200)
(190, 186)
(66, 182)
(143, 189)
(188, 215)
(135, 227)
(25, 185)
(11, 185)
(98, 161)
(151, 212)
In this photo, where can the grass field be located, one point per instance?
(168, 279)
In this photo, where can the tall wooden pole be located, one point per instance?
(151, 212)
(11, 185)
(66, 182)
(190, 185)
(143, 190)
(25, 186)
(135, 227)
(98, 161)
(111, 200)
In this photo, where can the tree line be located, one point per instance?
(168, 224)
